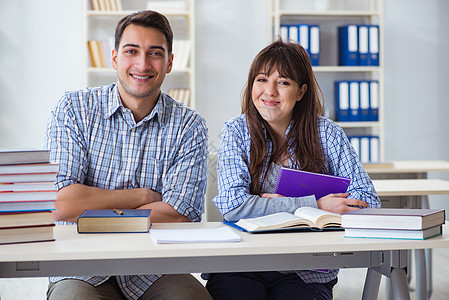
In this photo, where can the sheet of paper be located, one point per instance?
(208, 235)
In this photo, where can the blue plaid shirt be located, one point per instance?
(234, 178)
(97, 142)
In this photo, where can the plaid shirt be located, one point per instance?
(234, 178)
(97, 142)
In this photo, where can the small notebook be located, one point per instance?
(207, 235)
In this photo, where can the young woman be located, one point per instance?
(281, 126)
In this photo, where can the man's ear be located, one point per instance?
(170, 63)
(114, 59)
(301, 91)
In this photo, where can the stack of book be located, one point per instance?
(393, 223)
(27, 196)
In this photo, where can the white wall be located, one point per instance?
(41, 56)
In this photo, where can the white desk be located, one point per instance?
(410, 166)
(413, 188)
(96, 254)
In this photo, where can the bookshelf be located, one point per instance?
(329, 15)
(100, 20)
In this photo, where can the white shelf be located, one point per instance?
(329, 13)
(345, 69)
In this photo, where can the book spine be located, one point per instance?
(278, 180)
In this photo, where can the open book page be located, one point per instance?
(273, 221)
(318, 216)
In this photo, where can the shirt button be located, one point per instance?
(129, 160)
(133, 129)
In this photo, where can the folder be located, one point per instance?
(364, 101)
(303, 36)
(363, 45)
(354, 101)
(373, 57)
(342, 100)
(374, 101)
(293, 33)
(348, 45)
(355, 142)
(314, 45)
(374, 149)
(364, 149)
(283, 32)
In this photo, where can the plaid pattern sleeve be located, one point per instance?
(97, 142)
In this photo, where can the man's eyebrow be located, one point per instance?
(137, 46)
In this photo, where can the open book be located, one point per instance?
(304, 217)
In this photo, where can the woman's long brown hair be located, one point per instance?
(291, 61)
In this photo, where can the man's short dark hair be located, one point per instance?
(146, 18)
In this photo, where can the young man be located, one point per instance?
(127, 145)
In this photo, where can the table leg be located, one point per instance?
(399, 284)
(371, 287)
(421, 275)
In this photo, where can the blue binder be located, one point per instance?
(303, 36)
(373, 57)
(373, 100)
(364, 110)
(283, 32)
(342, 100)
(347, 45)
(363, 38)
(314, 44)
(354, 101)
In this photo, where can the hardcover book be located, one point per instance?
(27, 234)
(29, 177)
(393, 218)
(29, 168)
(17, 219)
(26, 206)
(297, 183)
(23, 156)
(304, 217)
(114, 221)
(394, 233)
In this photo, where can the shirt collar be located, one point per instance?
(159, 110)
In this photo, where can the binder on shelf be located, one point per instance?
(284, 32)
(374, 149)
(363, 45)
(354, 101)
(293, 33)
(355, 142)
(373, 55)
(364, 101)
(364, 149)
(314, 44)
(374, 100)
(342, 100)
(348, 45)
(303, 36)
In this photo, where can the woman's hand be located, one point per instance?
(339, 203)
(270, 196)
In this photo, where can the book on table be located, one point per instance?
(304, 219)
(393, 218)
(27, 186)
(394, 233)
(22, 196)
(29, 168)
(298, 183)
(114, 221)
(27, 234)
(23, 156)
(15, 219)
(26, 206)
(29, 177)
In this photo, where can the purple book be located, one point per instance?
(297, 183)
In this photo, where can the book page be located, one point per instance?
(317, 216)
(273, 221)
